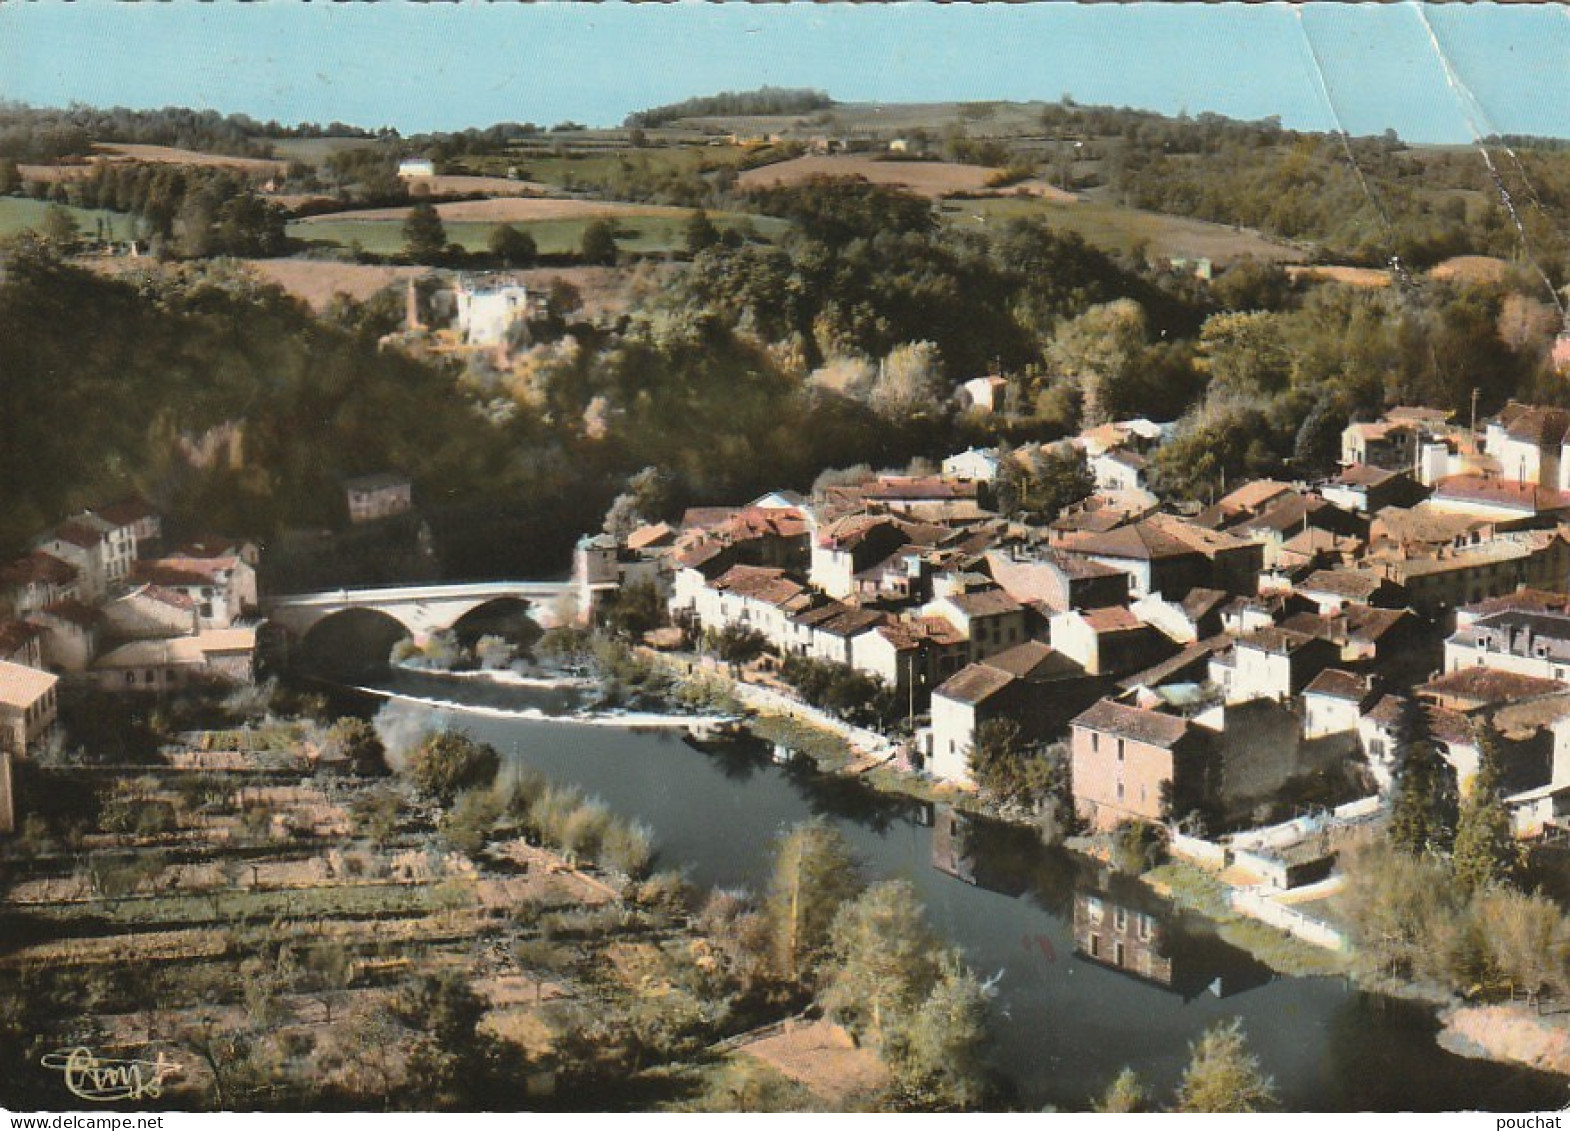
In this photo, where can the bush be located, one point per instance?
(446, 763)
(1138, 846)
(628, 848)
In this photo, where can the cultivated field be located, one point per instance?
(1352, 276)
(1471, 269)
(167, 155)
(926, 178)
(604, 290)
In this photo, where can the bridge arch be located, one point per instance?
(514, 619)
(349, 645)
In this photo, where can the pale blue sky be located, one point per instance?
(445, 66)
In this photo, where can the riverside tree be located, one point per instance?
(814, 875)
(1485, 850)
(1223, 1075)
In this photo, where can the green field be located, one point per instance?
(314, 150)
(20, 213)
(541, 162)
(1117, 228)
(649, 235)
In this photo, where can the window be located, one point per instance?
(1120, 918)
(1095, 742)
(1093, 907)
(1120, 750)
(1146, 924)
(1095, 946)
(130, 677)
(1117, 953)
(1120, 791)
(149, 676)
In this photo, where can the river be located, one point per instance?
(1065, 1021)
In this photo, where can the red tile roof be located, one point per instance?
(1150, 727)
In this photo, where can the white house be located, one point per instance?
(977, 464)
(487, 313)
(411, 167)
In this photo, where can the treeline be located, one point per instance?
(768, 100)
(45, 134)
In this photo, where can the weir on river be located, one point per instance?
(1093, 973)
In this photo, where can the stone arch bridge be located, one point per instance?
(421, 609)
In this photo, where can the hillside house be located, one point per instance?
(29, 708)
(1334, 702)
(383, 495)
(1109, 641)
(1128, 763)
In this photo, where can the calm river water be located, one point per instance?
(1065, 1021)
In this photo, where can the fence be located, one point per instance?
(1206, 854)
(1247, 901)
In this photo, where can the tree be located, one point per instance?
(910, 381)
(1124, 1095)
(1423, 815)
(701, 232)
(512, 247)
(1039, 484)
(1102, 349)
(355, 742)
(1485, 851)
(937, 1053)
(61, 231)
(10, 176)
(634, 609)
(448, 762)
(1223, 1076)
(814, 875)
(424, 237)
(599, 243)
(885, 960)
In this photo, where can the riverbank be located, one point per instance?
(1512, 1033)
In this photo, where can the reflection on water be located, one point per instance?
(1069, 1013)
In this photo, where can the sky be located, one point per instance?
(439, 66)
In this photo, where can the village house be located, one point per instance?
(139, 520)
(149, 611)
(988, 618)
(222, 589)
(1389, 444)
(1507, 501)
(1128, 763)
(1052, 582)
(1243, 503)
(756, 598)
(1391, 641)
(21, 643)
(1527, 643)
(86, 544)
(910, 656)
(1334, 702)
(1273, 663)
(36, 582)
(29, 708)
(155, 666)
(383, 495)
(1438, 582)
(1367, 490)
(1109, 641)
(410, 167)
(71, 632)
(979, 465)
(1526, 440)
(849, 545)
(830, 631)
(1164, 554)
(1120, 470)
(1031, 684)
(1473, 689)
(1332, 590)
(983, 394)
(1195, 617)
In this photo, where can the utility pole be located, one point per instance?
(1475, 393)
